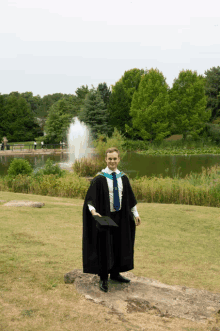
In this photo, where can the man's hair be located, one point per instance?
(111, 150)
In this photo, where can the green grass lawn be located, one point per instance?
(175, 244)
(21, 143)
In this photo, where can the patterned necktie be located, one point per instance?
(116, 202)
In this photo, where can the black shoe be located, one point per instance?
(104, 285)
(120, 279)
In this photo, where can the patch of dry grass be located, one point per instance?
(175, 244)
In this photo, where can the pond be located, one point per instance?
(134, 163)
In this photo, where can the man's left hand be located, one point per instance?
(137, 220)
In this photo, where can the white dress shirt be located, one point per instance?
(120, 189)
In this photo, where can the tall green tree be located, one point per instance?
(105, 92)
(120, 100)
(2, 127)
(18, 119)
(46, 102)
(118, 108)
(150, 109)
(15, 94)
(73, 102)
(189, 102)
(81, 93)
(33, 101)
(94, 113)
(131, 80)
(58, 121)
(212, 90)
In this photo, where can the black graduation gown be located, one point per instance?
(98, 196)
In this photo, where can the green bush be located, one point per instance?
(50, 168)
(88, 166)
(102, 143)
(20, 184)
(19, 166)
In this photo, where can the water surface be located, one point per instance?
(135, 164)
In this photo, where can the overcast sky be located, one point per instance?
(50, 46)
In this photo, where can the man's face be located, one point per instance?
(112, 160)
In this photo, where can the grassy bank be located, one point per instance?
(174, 145)
(175, 244)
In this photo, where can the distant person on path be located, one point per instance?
(109, 250)
(35, 145)
(2, 147)
(42, 144)
(61, 145)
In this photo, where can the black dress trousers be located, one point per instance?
(115, 216)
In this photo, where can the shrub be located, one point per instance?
(19, 166)
(21, 184)
(72, 186)
(116, 140)
(50, 168)
(88, 166)
(48, 185)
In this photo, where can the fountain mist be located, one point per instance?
(79, 142)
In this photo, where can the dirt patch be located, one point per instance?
(144, 294)
(67, 204)
(174, 137)
(22, 203)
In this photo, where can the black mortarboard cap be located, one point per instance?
(104, 222)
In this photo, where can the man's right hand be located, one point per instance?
(94, 213)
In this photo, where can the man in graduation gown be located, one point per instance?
(109, 249)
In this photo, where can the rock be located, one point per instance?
(143, 294)
(71, 276)
(21, 203)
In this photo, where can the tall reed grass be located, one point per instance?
(70, 185)
(195, 189)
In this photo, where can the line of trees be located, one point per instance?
(140, 105)
(23, 116)
(17, 121)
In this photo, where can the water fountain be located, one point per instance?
(79, 143)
